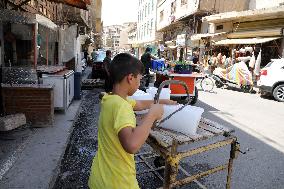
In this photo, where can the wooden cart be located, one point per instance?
(166, 143)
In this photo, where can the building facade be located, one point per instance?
(124, 35)
(180, 19)
(147, 34)
(97, 26)
(260, 28)
(111, 36)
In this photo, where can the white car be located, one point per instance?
(272, 79)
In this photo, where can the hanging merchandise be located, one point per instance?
(257, 64)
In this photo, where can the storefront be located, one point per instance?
(27, 40)
(255, 29)
(270, 46)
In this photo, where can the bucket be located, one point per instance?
(185, 121)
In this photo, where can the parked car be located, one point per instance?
(98, 70)
(271, 80)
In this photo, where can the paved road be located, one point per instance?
(259, 125)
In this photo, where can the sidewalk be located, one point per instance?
(35, 162)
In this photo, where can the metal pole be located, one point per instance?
(35, 33)
(47, 33)
(230, 165)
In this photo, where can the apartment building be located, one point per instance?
(146, 25)
(111, 36)
(124, 35)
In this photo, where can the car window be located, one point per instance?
(100, 56)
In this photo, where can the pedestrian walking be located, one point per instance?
(146, 59)
(118, 137)
(106, 65)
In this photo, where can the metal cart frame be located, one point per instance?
(166, 143)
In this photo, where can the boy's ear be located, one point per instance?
(129, 77)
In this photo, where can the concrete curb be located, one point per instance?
(57, 168)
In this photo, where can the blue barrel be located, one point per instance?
(77, 85)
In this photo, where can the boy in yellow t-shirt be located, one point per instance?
(118, 137)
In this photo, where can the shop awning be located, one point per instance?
(81, 4)
(257, 33)
(248, 15)
(25, 18)
(245, 41)
(197, 37)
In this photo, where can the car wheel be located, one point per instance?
(278, 93)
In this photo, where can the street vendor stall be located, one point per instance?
(179, 71)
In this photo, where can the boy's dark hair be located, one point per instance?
(124, 64)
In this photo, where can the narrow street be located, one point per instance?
(257, 128)
(258, 123)
(57, 56)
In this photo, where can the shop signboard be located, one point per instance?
(180, 40)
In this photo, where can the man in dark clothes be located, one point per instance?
(106, 65)
(146, 60)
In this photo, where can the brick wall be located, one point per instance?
(35, 101)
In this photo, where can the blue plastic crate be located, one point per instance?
(158, 65)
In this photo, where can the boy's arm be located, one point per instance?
(131, 139)
(146, 104)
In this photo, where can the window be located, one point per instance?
(219, 27)
(151, 27)
(173, 7)
(149, 8)
(183, 2)
(161, 15)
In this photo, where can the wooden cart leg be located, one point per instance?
(167, 176)
(230, 165)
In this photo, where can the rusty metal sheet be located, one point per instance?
(81, 4)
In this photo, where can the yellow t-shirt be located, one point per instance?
(113, 167)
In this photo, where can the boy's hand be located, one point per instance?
(168, 102)
(157, 111)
